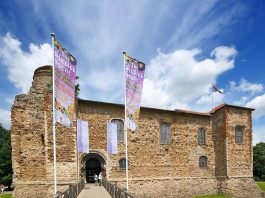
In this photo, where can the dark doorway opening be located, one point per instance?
(93, 166)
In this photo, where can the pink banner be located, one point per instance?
(134, 75)
(65, 76)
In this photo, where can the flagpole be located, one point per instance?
(77, 150)
(107, 171)
(212, 99)
(125, 129)
(53, 121)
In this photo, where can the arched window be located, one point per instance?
(122, 163)
(203, 162)
(120, 129)
(202, 136)
(164, 133)
(239, 135)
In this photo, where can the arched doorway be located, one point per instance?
(93, 163)
(93, 167)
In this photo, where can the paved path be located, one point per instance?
(93, 191)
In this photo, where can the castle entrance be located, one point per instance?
(93, 163)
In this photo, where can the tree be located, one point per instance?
(259, 161)
(6, 170)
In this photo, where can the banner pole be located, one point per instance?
(212, 95)
(77, 149)
(125, 129)
(107, 172)
(53, 121)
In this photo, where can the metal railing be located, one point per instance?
(73, 190)
(115, 191)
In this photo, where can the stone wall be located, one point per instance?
(151, 163)
(243, 187)
(239, 156)
(155, 170)
(32, 143)
(159, 170)
(219, 139)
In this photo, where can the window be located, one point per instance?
(239, 135)
(120, 129)
(202, 136)
(203, 162)
(164, 133)
(122, 163)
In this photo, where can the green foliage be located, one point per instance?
(259, 161)
(77, 87)
(261, 185)
(213, 196)
(5, 157)
(6, 196)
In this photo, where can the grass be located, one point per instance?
(213, 196)
(6, 196)
(261, 185)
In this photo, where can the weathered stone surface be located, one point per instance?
(155, 170)
(32, 142)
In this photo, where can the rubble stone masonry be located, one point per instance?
(155, 169)
(32, 143)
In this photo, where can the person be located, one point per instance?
(100, 178)
(2, 188)
(96, 178)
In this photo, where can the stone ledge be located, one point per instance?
(161, 178)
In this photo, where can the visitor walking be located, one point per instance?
(100, 178)
(96, 178)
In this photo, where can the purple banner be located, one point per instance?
(112, 138)
(134, 75)
(65, 76)
(82, 136)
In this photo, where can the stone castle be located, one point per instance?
(173, 153)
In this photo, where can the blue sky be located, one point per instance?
(186, 46)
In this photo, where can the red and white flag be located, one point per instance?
(216, 89)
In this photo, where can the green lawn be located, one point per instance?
(261, 185)
(213, 196)
(6, 196)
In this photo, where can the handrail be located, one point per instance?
(115, 191)
(73, 190)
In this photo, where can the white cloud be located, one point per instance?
(175, 79)
(258, 103)
(114, 27)
(205, 102)
(21, 64)
(258, 134)
(245, 86)
(242, 101)
(9, 100)
(5, 118)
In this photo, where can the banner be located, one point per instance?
(65, 76)
(82, 136)
(112, 138)
(134, 76)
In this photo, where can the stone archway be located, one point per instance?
(93, 163)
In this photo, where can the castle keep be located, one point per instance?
(173, 153)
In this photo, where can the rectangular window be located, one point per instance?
(120, 129)
(164, 133)
(239, 135)
(202, 136)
